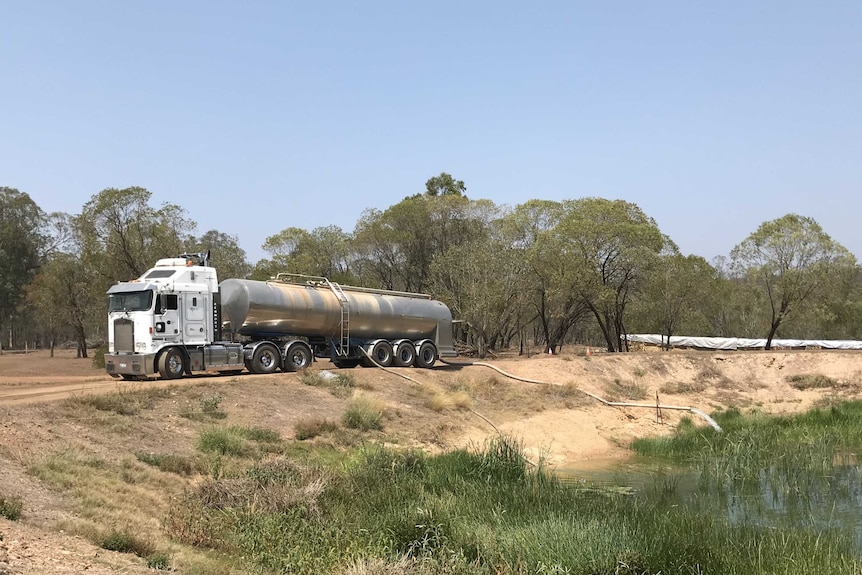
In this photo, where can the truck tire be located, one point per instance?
(346, 362)
(405, 354)
(265, 359)
(426, 355)
(381, 353)
(172, 363)
(297, 356)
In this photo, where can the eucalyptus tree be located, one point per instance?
(225, 253)
(121, 235)
(792, 261)
(608, 247)
(22, 242)
(545, 281)
(675, 291)
(480, 281)
(398, 245)
(324, 251)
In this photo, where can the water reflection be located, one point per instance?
(775, 496)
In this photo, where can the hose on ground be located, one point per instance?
(694, 410)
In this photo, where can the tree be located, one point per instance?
(63, 294)
(445, 185)
(21, 244)
(608, 247)
(675, 288)
(325, 251)
(791, 259)
(121, 235)
(226, 254)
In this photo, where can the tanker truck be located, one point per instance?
(176, 319)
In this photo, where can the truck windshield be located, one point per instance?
(130, 301)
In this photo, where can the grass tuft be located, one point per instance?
(122, 401)
(811, 381)
(310, 428)
(618, 390)
(364, 414)
(11, 507)
(124, 542)
(169, 463)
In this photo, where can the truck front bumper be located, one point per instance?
(130, 364)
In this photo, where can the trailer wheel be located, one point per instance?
(346, 362)
(381, 352)
(297, 356)
(426, 355)
(171, 363)
(265, 359)
(405, 354)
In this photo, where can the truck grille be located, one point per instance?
(124, 335)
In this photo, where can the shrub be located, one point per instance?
(159, 561)
(210, 404)
(678, 387)
(811, 381)
(626, 390)
(168, 462)
(363, 414)
(122, 402)
(312, 427)
(221, 441)
(11, 507)
(124, 542)
(99, 356)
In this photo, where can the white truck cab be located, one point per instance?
(167, 322)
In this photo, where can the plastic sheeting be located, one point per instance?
(731, 343)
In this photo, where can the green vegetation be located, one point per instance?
(364, 414)
(811, 381)
(233, 440)
(169, 463)
(209, 409)
(125, 542)
(340, 385)
(464, 512)
(11, 507)
(312, 427)
(122, 401)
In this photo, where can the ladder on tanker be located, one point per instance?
(344, 344)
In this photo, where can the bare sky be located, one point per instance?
(256, 116)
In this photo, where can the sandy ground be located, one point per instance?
(557, 423)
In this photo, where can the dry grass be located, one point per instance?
(311, 427)
(682, 387)
(812, 381)
(448, 400)
(617, 390)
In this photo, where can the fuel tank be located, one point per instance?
(278, 309)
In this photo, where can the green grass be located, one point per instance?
(233, 440)
(466, 512)
(124, 542)
(340, 385)
(11, 507)
(364, 414)
(170, 463)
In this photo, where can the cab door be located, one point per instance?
(195, 306)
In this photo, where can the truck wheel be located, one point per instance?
(381, 353)
(297, 356)
(346, 362)
(405, 354)
(171, 363)
(426, 355)
(265, 359)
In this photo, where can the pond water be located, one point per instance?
(774, 496)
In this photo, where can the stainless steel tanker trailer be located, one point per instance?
(176, 320)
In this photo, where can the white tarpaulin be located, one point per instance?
(727, 343)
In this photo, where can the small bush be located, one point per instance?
(168, 462)
(811, 381)
(679, 387)
(453, 400)
(99, 356)
(626, 390)
(159, 561)
(221, 441)
(11, 507)
(639, 372)
(210, 404)
(260, 434)
(363, 414)
(122, 402)
(340, 385)
(124, 542)
(312, 427)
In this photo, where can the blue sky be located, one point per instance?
(256, 116)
